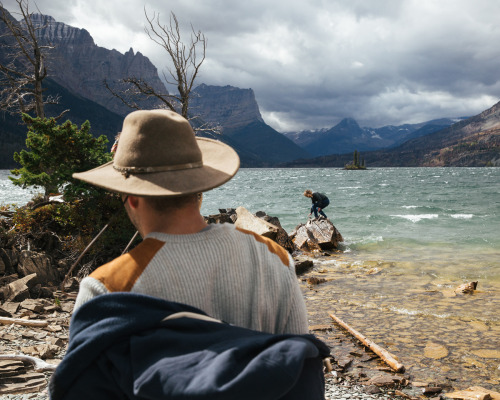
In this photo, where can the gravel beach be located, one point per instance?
(332, 392)
(22, 338)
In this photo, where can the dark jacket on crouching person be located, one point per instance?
(127, 345)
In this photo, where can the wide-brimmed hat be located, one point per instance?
(158, 154)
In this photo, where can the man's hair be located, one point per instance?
(308, 193)
(164, 204)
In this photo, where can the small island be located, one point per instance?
(356, 163)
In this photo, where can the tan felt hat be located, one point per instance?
(158, 154)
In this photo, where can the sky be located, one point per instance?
(312, 63)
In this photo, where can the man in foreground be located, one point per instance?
(149, 322)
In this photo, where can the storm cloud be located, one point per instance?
(313, 63)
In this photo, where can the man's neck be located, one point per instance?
(179, 222)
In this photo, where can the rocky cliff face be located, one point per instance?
(228, 106)
(78, 64)
(237, 112)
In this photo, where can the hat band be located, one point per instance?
(126, 171)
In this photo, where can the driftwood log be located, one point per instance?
(39, 364)
(24, 322)
(380, 351)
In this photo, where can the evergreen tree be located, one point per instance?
(54, 153)
(356, 158)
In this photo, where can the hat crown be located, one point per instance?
(158, 154)
(153, 139)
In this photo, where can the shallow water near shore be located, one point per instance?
(411, 236)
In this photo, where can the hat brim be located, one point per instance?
(220, 164)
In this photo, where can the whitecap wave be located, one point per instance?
(416, 217)
(462, 216)
(408, 207)
(362, 240)
(417, 312)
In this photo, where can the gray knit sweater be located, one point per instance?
(231, 274)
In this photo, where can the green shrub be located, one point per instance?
(54, 153)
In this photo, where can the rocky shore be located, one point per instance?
(35, 317)
(39, 328)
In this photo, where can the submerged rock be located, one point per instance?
(435, 350)
(466, 288)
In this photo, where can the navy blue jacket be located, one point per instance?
(119, 348)
(320, 199)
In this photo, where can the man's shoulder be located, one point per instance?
(271, 245)
(121, 273)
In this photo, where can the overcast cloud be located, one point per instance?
(312, 63)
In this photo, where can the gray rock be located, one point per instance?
(19, 289)
(31, 262)
(316, 235)
(246, 220)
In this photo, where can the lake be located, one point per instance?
(411, 236)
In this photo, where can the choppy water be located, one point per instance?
(411, 235)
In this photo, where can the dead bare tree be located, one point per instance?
(23, 65)
(185, 63)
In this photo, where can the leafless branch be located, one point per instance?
(185, 61)
(122, 95)
(24, 70)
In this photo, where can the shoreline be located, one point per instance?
(351, 372)
(354, 361)
(53, 338)
(49, 343)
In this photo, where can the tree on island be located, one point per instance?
(356, 163)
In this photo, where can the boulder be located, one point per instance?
(225, 216)
(282, 237)
(260, 223)
(316, 235)
(9, 258)
(246, 220)
(19, 289)
(302, 265)
(40, 264)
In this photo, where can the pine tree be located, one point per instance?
(54, 153)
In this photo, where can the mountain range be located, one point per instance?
(78, 67)
(347, 136)
(471, 142)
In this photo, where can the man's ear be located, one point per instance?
(133, 201)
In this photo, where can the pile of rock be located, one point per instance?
(310, 237)
(34, 336)
(27, 274)
(259, 223)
